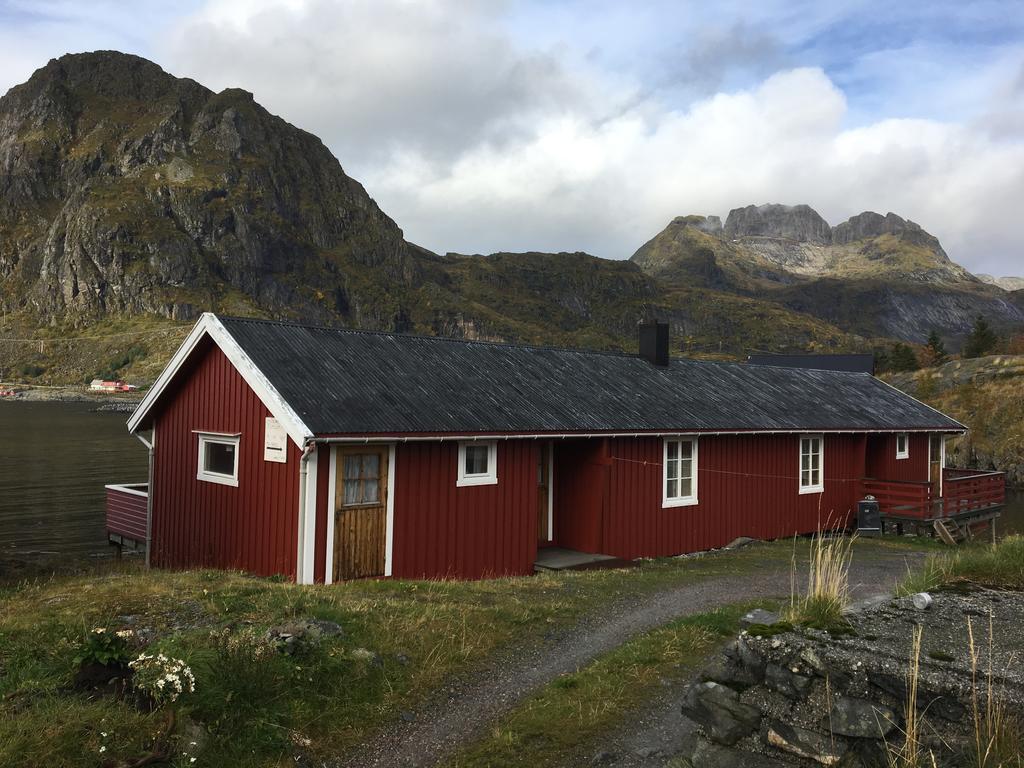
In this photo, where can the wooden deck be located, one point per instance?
(970, 501)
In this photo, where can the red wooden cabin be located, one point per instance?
(325, 454)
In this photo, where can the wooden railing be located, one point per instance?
(901, 499)
(126, 511)
(965, 490)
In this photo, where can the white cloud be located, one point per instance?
(608, 188)
(475, 142)
(376, 76)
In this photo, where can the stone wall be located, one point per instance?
(797, 696)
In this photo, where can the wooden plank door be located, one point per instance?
(360, 504)
(544, 494)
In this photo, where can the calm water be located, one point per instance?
(55, 459)
(1012, 520)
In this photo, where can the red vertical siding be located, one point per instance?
(581, 479)
(201, 524)
(126, 514)
(747, 486)
(882, 463)
(442, 531)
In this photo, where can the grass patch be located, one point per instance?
(999, 565)
(557, 725)
(401, 640)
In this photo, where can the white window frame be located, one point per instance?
(490, 477)
(819, 487)
(206, 438)
(905, 453)
(679, 501)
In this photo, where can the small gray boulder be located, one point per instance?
(719, 711)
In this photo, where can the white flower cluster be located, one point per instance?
(164, 678)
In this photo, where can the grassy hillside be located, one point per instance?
(986, 394)
(564, 299)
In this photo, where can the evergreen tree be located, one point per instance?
(981, 340)
(883, 361)
(902, 358)
(934, 351)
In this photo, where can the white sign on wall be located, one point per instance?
(275, 442)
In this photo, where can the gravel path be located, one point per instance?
(658, 732)
(465, 708)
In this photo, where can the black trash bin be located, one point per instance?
(869, 518)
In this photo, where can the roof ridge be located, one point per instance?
(428, 337)
(519, 345)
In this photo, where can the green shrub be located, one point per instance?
(103, 647)
(31, 371)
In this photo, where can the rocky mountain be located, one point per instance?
(1006, 283)
(131, 200)
(873, 275)
(126, 190)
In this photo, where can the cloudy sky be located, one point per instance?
(587, 125)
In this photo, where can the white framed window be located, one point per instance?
(679, 486)
(812, 464)
(218, 458)
(478, 463)
(902, 445)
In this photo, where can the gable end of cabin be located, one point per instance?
(220, 498)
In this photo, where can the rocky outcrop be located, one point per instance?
(1006, 283)
(869, 225)
(873, 275)
(799, 696)
(799, 223)
(126, 190)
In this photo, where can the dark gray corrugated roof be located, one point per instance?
(864, 363)
(343, 381)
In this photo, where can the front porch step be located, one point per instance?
(951, 532)
(560, 559)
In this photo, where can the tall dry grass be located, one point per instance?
(912, 752)
(828, 583)
(998, 741)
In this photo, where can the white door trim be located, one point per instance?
(332, 513)
(389, 528)
(307, 530)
